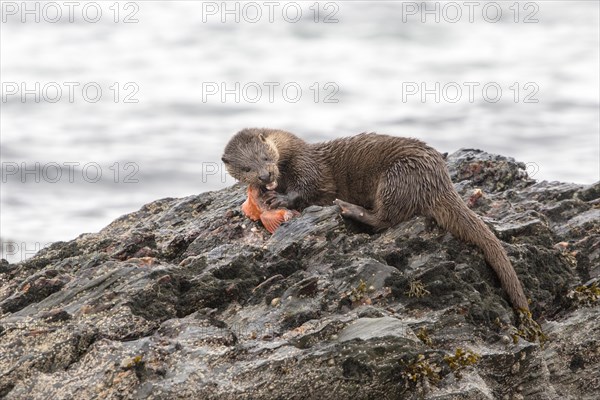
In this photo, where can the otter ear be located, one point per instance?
(262, 137)
(225, 160)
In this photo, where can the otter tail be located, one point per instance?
(454, 215)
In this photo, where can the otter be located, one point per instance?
(377, 180)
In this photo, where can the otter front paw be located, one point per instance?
(276, 200)
(290, 200)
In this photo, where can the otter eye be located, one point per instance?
(246, 169)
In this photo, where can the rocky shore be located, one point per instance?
(187, 299)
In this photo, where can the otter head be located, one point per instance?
(251, 158)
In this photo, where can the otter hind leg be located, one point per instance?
(361, 215)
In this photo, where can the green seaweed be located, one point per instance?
(420, 370)
(133, 362)
(423, 336)
(528, 328)
(359, 295)
(416, 289)
(585, 295)
(460, 360)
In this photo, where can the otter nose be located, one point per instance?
(265, 178)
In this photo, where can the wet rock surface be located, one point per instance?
(187, 299)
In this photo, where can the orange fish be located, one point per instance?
(255, 208)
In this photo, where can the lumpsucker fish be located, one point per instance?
(256, 209)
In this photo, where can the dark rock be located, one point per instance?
(590, 193)
(188, 299)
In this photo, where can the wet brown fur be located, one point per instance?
(379, 180)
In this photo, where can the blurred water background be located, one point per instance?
(168, 72)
